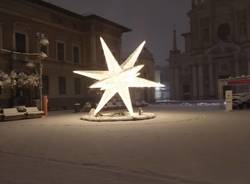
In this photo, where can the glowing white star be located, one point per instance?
(118, 78)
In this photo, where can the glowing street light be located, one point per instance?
(42, 41)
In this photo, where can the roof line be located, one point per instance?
(76, 15)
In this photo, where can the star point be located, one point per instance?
(118, 78)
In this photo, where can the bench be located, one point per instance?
(13, 114)
(1, 114)
(33, 112)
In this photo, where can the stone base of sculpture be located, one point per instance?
(117, 116)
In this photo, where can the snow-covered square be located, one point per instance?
(184, 144)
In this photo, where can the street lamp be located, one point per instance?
(42, 41)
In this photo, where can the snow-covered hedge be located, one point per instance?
(18, 79)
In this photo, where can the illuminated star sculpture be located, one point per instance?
(118, 78)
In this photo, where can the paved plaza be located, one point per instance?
(183, 145)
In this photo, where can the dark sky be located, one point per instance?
(150, 20)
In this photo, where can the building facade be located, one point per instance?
(217, 47)
(145, 94)
(73, 45)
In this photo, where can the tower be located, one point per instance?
(175, 49)
(174, 71)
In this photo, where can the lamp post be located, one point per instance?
(42, 41)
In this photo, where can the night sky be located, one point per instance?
(150, 20)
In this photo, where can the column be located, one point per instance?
(200, 78)
(236, 68)
(236, 58)
(211, 79)
(172, 84)
(177, 84)
(248, 67)
(248, 71)
(216, 78)
(194, 82)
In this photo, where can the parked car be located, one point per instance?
(241, 100)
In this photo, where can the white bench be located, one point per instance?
(13, 114)
(33, 112)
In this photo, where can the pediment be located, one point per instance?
(223, 48)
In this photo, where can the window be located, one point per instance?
(45, 84)
(205, 35)
(62, 85)
(224, 32)
(198, 2)
(204, 28)
(60, 46)
(243, 28)
(186, 88)
(76, 54)
(77, 86)
(204, 22)
(20, 42)
(242, 22)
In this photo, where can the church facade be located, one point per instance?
(217, 47)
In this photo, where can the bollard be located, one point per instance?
(45, 105)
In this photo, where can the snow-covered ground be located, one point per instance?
(183, 145)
